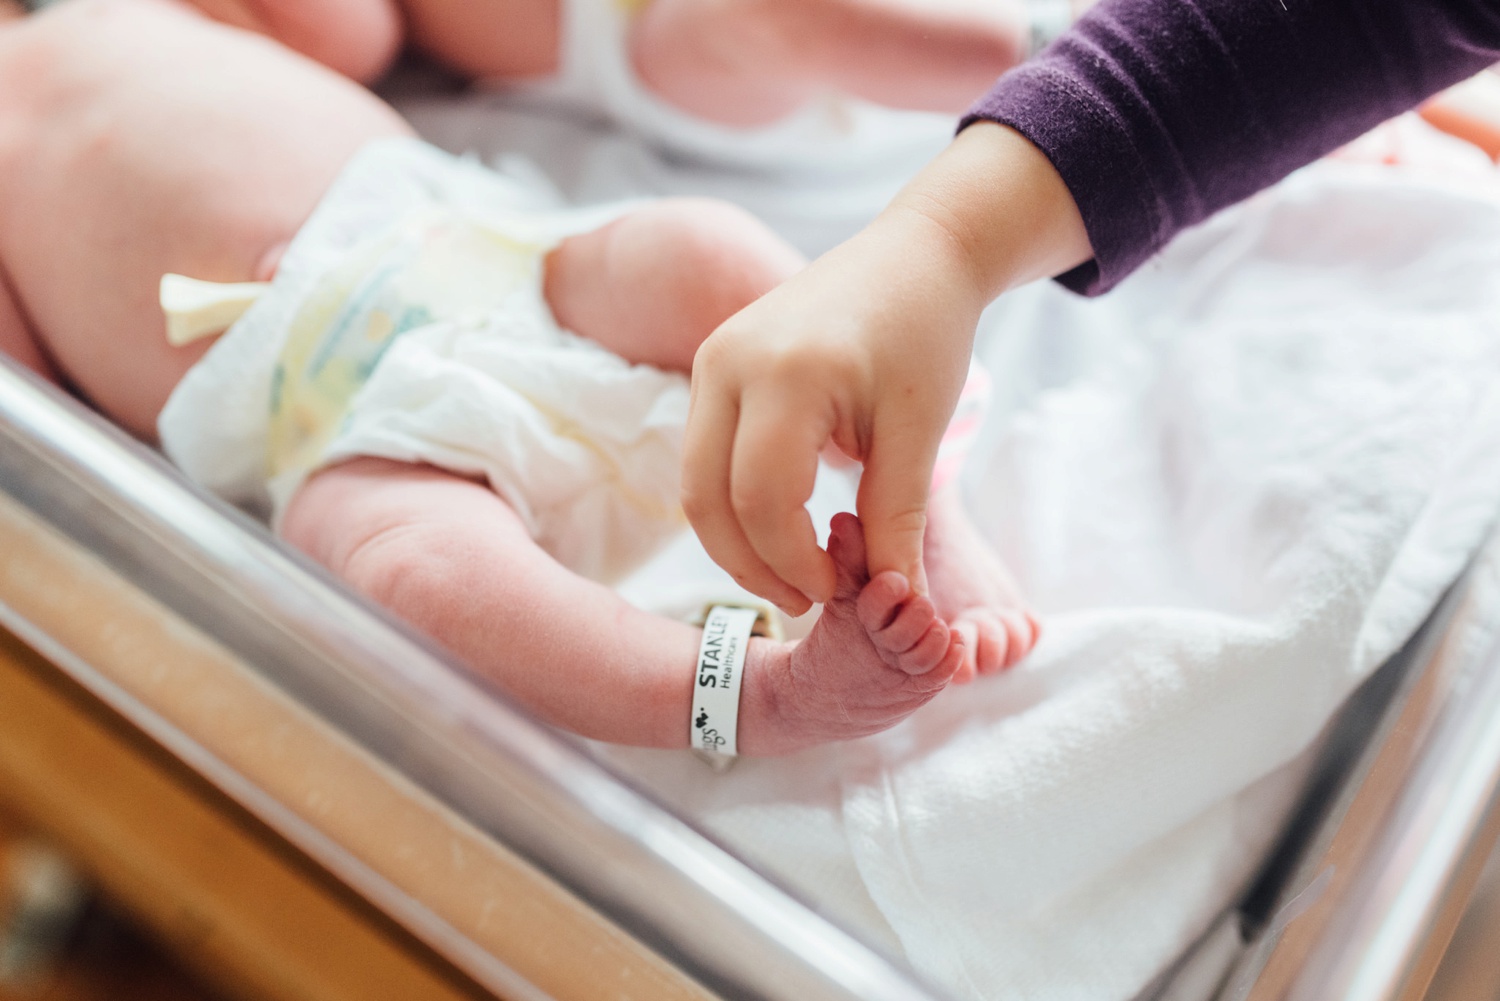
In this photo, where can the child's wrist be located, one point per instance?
(925, 234)
(1003, 208)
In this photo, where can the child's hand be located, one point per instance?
(866, 349)
(1470, 111)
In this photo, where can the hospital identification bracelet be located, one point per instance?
(716, 689)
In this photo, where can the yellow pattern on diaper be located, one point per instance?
(431, 266)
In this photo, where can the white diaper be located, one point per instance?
(834, 132)
(407, 322)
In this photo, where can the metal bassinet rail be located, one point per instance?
(78, 497)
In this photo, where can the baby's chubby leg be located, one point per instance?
(481, 39)
(652, 285)
(736, 62)
(359, 38)
(139, 138)
(449, 556)
(17, 338)
(750, 62)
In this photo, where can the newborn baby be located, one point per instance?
(139, 139)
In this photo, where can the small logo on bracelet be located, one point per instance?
(710, 738)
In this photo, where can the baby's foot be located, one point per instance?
(877, 654)
(750, 62)
(974, 591)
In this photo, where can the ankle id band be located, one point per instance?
(714, 726)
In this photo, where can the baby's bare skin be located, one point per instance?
(737, 62)
(453, 559)
(170, 143)
(974, 591)
(136, 139)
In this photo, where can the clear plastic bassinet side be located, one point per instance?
(426, 794)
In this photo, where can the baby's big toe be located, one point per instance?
(880, 601)
(911, 636)
(928, 651)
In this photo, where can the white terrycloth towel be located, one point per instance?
(407, 322)
(1233, 487)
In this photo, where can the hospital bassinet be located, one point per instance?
(183, 701)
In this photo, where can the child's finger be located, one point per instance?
(892, 502)
(708, 447)
(780, 434)
(1470, 111)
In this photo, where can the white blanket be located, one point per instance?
(1285, 443)
(1232, 487)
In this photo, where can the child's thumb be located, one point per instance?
(892, 504)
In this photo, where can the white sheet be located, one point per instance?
(1233, 487)
(1284, 442)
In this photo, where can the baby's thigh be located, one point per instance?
(489, 39)
(138, 138)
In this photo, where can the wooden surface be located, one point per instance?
(101, 955)
(231, 899)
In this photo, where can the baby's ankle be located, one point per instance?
(768, 726)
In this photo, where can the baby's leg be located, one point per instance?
(137, 138)
(452, 558)
(488, 39)
(359, 38)
(654, 284)
(16, 338)
(449, 556)
(482, 39)
(749, 62)
(973, 590)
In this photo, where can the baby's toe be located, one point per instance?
(913, 621)
(929, 650)
(994, 643)
(952, 662)
(880, 601)
(967, 633)
(1022, 631)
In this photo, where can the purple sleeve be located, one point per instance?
(1158, 113)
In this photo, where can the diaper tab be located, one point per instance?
(197, 309)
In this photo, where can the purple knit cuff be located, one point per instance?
(1079, 135)
(1158, 113)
